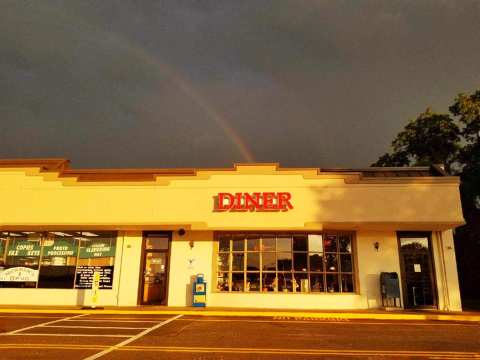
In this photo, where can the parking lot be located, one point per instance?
(104, 336)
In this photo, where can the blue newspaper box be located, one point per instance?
(199, 291)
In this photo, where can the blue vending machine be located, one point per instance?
(199, 291)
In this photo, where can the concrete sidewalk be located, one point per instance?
(374, 314)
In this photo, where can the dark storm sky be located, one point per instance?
(209, 83)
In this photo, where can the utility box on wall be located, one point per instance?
(199, 291)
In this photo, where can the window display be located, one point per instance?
(296, 262)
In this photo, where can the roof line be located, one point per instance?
(62, 166)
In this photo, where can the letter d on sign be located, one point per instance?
(225, 201)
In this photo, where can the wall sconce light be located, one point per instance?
(191, 243)
(376, 245)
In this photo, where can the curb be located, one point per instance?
(275, 314)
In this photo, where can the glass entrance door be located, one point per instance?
(155, 269)
(417, 270)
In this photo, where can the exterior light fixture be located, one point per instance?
(376, 245)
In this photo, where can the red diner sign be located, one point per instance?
(257, 201)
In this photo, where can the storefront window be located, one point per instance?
(96, 254)
(299, 263)
(59, 259)
(56, 259)
(22, 260)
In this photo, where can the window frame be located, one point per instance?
(292, 273)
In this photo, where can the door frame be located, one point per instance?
(141, 280)
(433, 282)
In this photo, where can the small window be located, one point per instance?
(300, 262)
(315, 243)
(284, 244)
(300, 243)
(253, 281)
(269, 243)
(238, 280)
(238, 261)
(224, 243)
(222, 282)
(317, 283)
(316, 262)
(330, 243)
(253, 243)
(253, 261)
(238, 243)
(223, 261)
(159, 242)
(269, 282)
(345, 243)
(284, 261)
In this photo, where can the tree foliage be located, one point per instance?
(429, 139)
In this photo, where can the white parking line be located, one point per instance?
(74, 335)
(133, 338)
(126, 321)
(94, 327)
(14, 332)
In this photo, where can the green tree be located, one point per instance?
(467, 109)
(429, 139)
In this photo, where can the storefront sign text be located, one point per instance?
(85, 276)
(19, 274)
(24, 248)
(257, 201)
(97, 249)
(60, 248)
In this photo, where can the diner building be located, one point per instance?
(261, 235)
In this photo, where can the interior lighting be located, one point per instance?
(59, 233)
(86, 233)
(81, 238)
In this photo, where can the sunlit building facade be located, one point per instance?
(262, 236)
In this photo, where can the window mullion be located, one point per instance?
(230, 266)
(40, 258)
(245, 264)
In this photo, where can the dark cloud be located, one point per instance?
(162, 83)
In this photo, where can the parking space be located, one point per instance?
(117, 337)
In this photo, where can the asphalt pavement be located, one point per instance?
(122, 336)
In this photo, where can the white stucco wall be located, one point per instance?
(372, 262)
(446, 275)
(181, 273)
(129, 268)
